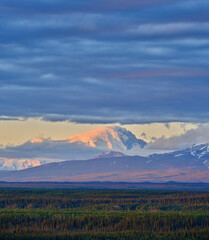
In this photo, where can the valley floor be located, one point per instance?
(103, 214)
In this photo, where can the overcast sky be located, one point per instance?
(69, 66)
(105, 61)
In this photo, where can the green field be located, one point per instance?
(103, 214)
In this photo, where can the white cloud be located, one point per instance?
(169, 28)
(48, 76)
(187, 139)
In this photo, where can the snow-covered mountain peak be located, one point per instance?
(199, 150)
(37, 140)
(111, 137)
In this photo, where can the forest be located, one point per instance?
(103, 214)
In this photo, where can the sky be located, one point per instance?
(69, 66)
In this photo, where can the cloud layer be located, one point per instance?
(193, 136)
(105, 61)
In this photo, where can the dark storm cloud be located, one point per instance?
(105, 61)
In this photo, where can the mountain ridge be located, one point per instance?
(122, 142)
(175, 166)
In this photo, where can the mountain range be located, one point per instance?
(81, 146)
(188, 165)
(102, 154)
